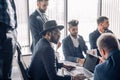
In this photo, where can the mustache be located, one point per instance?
(76, 33)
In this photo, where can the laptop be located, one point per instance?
(90, 62)
(87, 69)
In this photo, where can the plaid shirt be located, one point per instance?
(8, 13)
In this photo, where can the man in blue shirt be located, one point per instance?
(109, 49)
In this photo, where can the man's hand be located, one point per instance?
(69, 68)
(58, 45)
(101, 60)
(81, 61)
(79, 77)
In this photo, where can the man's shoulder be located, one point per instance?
(44, 41)
(94, 32)
(66, 38)
(42, 45)
(35, 13)
(35, 18)
(100, 68)
(105, 66)
(80, 36)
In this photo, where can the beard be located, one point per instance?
(42, 11)
(74, 35)
(55, 41)
(105, 28)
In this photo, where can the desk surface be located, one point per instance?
(79, 70)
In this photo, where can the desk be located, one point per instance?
(78, 70)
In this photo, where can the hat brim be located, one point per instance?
(54, 27)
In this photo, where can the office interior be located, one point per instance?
(86, 11)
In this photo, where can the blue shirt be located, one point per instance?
(110, 69)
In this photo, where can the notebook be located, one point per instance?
(90, 62)
(87, 69)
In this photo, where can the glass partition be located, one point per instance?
(86, 12)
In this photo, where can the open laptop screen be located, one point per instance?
(90, 62)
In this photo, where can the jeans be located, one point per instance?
(7, 49)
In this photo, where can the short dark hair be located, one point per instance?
(73, 23)
(101, 19)
(107, 41)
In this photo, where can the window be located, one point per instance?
(111, 9)
(86, 12)
(22, 27)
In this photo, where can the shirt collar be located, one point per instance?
(113, 52)
(52, 45)
(75, 41)
(73, 37)
(39, 11)
(100, 32)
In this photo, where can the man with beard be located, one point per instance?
(103, 24)
(74, 44)
(36, 21)
(44, 64)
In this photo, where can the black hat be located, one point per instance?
(49, 25)
(73, 23)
